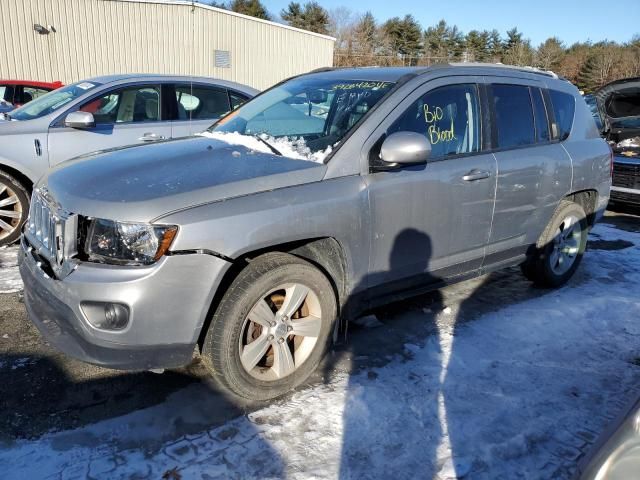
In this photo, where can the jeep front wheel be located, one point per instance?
(272, 327)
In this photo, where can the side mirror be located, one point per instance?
(405, 148)
(80, 120)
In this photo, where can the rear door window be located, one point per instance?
(135, 104)
(236, 99)
(564, 107)
(201, 103)
(540, 113)
(448, 116)
(513, 115)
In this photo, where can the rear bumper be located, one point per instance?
(162, 330)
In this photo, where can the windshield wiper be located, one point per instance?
(271, 147)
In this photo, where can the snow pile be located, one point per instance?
(518, 393)
(10, 280)
(291, 147)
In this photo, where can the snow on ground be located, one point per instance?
(518, 393)
(294, 147)
(9, 276)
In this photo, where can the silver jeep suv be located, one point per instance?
(329, 194)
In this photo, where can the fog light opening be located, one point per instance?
(106, 315)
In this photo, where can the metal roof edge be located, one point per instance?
(194, 4)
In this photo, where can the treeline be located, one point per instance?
(362, 40)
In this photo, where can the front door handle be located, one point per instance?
(476, 175)
(151, 137)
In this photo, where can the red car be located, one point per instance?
(14, 93)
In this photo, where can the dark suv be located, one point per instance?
(618, 104)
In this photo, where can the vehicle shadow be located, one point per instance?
(370, 416)
(150, 413)
(426, 436)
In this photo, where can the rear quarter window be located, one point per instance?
(564, 108)
(514, 115)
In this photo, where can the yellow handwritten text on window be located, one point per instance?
(435, 133)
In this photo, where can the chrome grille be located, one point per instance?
(45, 229)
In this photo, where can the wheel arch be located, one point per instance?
(587, 199)
(18, 175)
(325, 253)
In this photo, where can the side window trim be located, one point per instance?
(553, 125)
(490, 118)
(535, 115)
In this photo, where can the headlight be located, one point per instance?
(127, 243)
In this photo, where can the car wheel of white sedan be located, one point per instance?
(14, 208)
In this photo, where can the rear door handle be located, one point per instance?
(476, 175)
(151, 137)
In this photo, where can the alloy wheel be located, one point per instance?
(280, 332)
(10, 211)
(566, 245)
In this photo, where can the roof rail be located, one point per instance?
(528, 69)
(323, 69)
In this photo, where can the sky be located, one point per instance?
(570, 20)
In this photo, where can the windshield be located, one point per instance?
(305, 117)
(52, 101)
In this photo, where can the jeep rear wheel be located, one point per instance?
(560, 247)
(272, 327)
(14, 208)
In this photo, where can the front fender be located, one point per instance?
(336, 208)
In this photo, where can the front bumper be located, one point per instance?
(626, 180)
(168, 304)
(629, 196)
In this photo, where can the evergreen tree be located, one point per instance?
(253, 8)
(436, 40)
(404, 36)
(494, 46)
(514, 38)
(477, 46)
(312, 17)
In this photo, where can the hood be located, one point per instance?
(619, 104)
(142, 183)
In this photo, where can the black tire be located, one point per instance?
(540, 267)
(9, 187)
(221, 350)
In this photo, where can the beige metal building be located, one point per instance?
(70, 40)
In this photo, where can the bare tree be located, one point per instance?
(342, 25)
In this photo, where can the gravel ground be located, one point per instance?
(43, 391)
